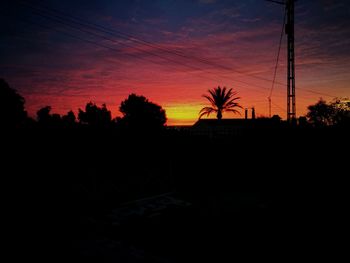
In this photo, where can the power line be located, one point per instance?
(278, 54)
(72, 25)
(107, 47)
(279, 107)
(69, 24)
(95, 43)
(318, 93)
(133, 38)
(277, 61)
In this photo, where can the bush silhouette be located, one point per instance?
(43, 115)
(327, 114)
(320, 114)
(141, 114)
(95, 116)
(69, 119)
(45, 118)
(342, 112)
(12, 111)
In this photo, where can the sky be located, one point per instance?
(66, 53)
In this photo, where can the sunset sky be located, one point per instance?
(66, 53)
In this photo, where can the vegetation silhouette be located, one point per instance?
(341, 109)
(95, 116)
(139, 114)
(105, 194)
(69, 119)
(12, 112)
(336, 113)
(43, 115)
(276, 119)
(320, 114)
(221, 101)
(46, 119)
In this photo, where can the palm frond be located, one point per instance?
(206, 111)
(210, 100)
(217, 95)
(221, 99)
(213, 94)
(233, 103)
(222, 94)
(228, 95)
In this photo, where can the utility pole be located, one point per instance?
(289, 29)
(291, 105)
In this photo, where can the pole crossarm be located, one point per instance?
(276, 2)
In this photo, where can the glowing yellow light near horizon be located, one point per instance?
(182, 114)
(186, 114)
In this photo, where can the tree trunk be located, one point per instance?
(219, 115)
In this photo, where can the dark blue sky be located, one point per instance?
(54, 62)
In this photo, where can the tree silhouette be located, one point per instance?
(56, 119)
(341, 110)
(43, 115)
(95, 116)
(139, 113)
(12, 111)
(45, 118)
(276, 118)
(220, 101)
(326, 114)
(69, 119)
(320, 114)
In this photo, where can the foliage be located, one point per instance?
(43, 115)
(94, 115)
(324, 114)
(45, 118)
(221, 101)
(139, 113)
(341, 108)
(69, 118)
(12, 111)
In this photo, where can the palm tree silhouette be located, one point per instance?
(220, 101)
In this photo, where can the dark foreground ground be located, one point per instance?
(100, 196)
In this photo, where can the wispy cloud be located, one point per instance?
(227, 45)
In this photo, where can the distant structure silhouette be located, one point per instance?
(221, 101)
(246, 113)
(224, 127)
(12, 111)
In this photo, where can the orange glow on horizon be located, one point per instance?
(182, 108)
(187, 114)
(182, 114)
(66, 73)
